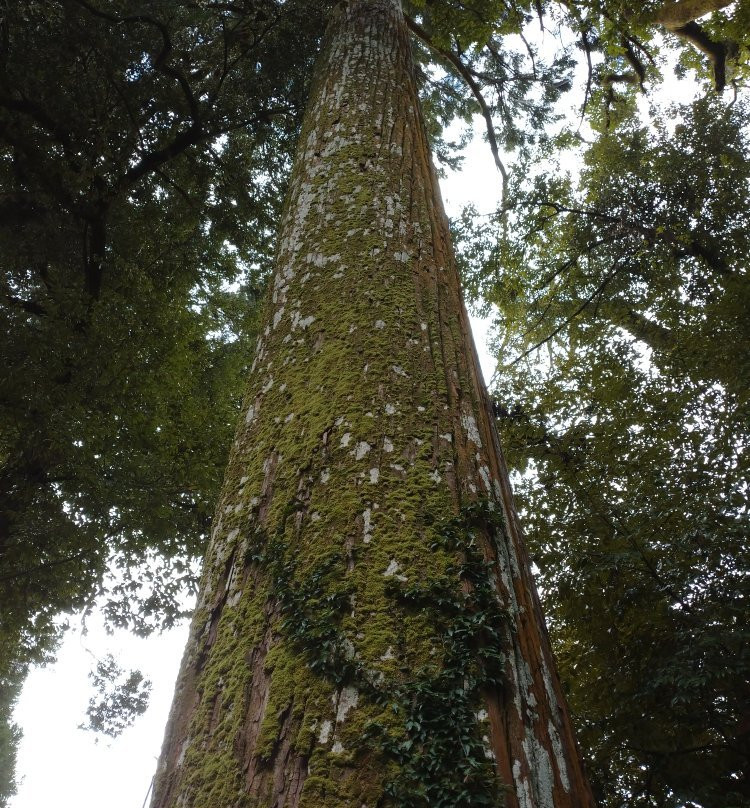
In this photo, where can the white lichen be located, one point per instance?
(393, 571)
(367, 522)
(347, 700)
(557, 751)
(361, 450)
(484, 473)
(470, 426)
(325, 731)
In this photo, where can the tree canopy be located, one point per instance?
(142, 164)
(623, 401)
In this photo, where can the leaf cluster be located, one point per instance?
(121, 696)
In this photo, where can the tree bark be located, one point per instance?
(678, 17)
(678, 12)
(366, 512)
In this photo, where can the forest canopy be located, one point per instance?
(143, 163)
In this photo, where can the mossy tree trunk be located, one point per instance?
(367, 632)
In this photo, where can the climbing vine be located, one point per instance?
(432, 716)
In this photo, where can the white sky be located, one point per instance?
(60, 765)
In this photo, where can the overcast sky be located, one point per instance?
(64, 766)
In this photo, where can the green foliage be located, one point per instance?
(518, 84)
(624, 404)
(653, 240)
(10, 736)
(142, 164)
(637, 521)
(121, 697)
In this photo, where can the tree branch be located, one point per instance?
(718, 52)
(692, 248)
(683, 11)
(619, 313)
(161, 62)
(477, 93)
(596, 293)
(25, 573)
(679, 18)
(29, 306)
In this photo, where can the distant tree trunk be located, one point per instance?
(367, 631)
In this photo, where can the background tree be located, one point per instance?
(624, 399)
(142, 161)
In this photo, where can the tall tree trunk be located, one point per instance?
(367, 632)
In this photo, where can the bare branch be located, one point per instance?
(477, 93)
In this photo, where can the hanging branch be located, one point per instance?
(477, 93)
(589, 76)
(29, 306)
(679, 18)
(634, 61)
(719, 53)
(587, 302)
